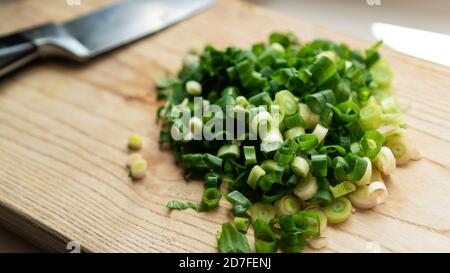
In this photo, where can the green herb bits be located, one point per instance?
(292, 135)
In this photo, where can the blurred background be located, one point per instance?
(354, 17)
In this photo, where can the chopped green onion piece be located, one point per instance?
(305, 222)
(238, 111)
(369, 196)
(228, 167)
(343, 91)
(322, 218)
(323, 194)
(271, 198)
(225, 101)
(267, 181)
(272, 141)
(385, 161)
(284, 39)
(309, 222)
(300, 166)
(232, 241)
(320, 132)
(270, 165)
(291, 144)
(319, 165)
(307, 141)
(306, 188)
(230, 91)
(326, 116)
(392, 118)
(390, 105)
(174, 204)
(310, 118)
(371, 143)
(194, 88)
(260, 99)
(211, 197)
(333, 149)
(381, 73)
(330, 54)
(370, 116)
(341, 168)
(193, 161)
(242, 224)
(293, 132)
(322, 69)
(138, 168)
(293, 242)
(277, 116)
(356, 149)
(287, 205)
(242, 101)
(228, 179)
(132, 158)
(261, 123)
(213, 161)
(372, 55)
(398, 142)
(317, 101)
(255, 175)
(229, 151)
(250, 155)
(287, 102)
(342, 189)
(265, 239)
(134, 142)
(338, 211)
(362, 171)
(212, 180)
(263, 211)
(284, 155)
(278, 47)
(293, 121)
(239, 201)
(355, 130)
(196, 125)
(347, 111)
(274, 174)
(318, 242)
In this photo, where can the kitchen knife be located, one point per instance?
(93, 34)
(427, 45)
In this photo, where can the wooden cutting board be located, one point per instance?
(63, 132)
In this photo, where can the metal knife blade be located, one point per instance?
(96, 33)
(129, 20)
(427, 45)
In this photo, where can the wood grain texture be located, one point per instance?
(63, 131)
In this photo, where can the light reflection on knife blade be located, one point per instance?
(427, 45)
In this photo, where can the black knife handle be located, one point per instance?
(15, 51)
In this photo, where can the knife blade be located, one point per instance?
(426, 45)
(129, 20)
(93, 34)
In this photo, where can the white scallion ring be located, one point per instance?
(369, 196)
(385, 161)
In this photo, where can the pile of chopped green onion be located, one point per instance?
(334, 131)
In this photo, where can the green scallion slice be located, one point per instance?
(338, 211)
